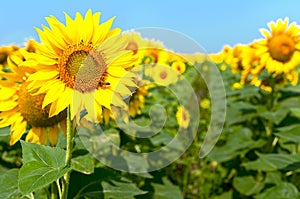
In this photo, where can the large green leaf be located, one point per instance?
(290, 133)
(42, 165)
(9, 184)
(247, 185)
(272, 162)
(36, 175)
(281, 191)
(166, 191)
(276, 117)
(83, 164)
(48, 155)
(238, 142)
(124, 190)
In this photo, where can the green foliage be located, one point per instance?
(9, 187)
(42, 166)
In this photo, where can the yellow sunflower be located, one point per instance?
(82, 64)
(163, 75)
(179, 66)
(20, 110)
(183, 117)
(279, 51)
(222, 58)
(5, 52)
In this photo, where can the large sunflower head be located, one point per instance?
(20, 110)
(279, 51)
(82, 64)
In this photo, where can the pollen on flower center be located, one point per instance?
(281, 48)
(31, 109)
(82, 68)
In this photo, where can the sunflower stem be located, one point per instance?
(53, 191)
(70, 139)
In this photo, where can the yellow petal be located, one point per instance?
(17, 131)
(43, 75)
(53, 94)
(53, 134)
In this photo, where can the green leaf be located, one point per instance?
(166, 191)
(83, 164)
(226, 195)
(124, 190)
(243, 105)
(290, 133)
(282, 191)
(272, 162)
(48, 155)
(247, 91)
(247, 185)
(259, 165)
(295, 112)
(36, 175)
(273, 178)
(9, 186)
(238, 142)
(4, 131)
(42, 165)
(275, 117)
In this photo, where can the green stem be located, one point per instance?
(70, 139)
(53, 191)
(58, 188)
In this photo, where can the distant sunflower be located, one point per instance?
(5, 52)
(19, 108)
(279, 51)
(82, 64)
(183, 117)
(179, 66)
(163, 75)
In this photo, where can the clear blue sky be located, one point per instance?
(211, 23)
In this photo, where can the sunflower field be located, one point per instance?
(88, 111)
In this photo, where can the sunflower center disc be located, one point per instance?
(32, 112)
(82, 68)
(281, 48)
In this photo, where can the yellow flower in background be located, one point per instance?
(163, 75)
(179, 66)
(195, 58)
(279, 51)
(223, 58)
(137, 100)
(5, 52)
(19, 108)
(205, 103)
(82, 64)
(183, 117)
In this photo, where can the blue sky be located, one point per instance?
(211, 23)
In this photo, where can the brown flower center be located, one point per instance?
(82, 68)
(163, 74)
(31, 109)
(281, 47)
